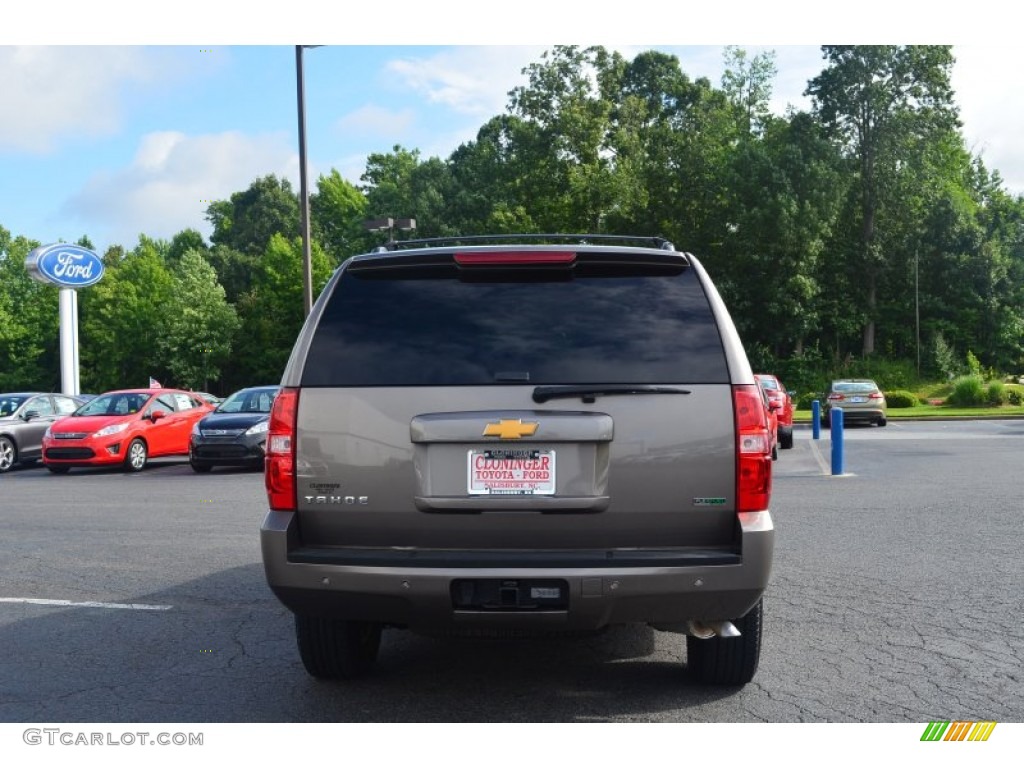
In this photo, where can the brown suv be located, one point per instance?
(482, 435)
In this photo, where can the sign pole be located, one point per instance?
(69, 341)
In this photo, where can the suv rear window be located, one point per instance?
(437, 325)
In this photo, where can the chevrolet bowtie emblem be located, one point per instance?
(510, 429)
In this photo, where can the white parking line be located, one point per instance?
(826, 468)
(86, 604)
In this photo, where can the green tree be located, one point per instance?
(399, 185)
(565, 120)
(747, 83)
(234, 270)
(183, 242)
(249, 219)
(487, 194)
(673, 145)
(878, 101)
(337, 212)
(272, 311)
(786, 193)
(29, 322)
(243, 227)
(195, 342)
(122, 320)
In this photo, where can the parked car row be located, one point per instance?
(128, 427)
(862, 401)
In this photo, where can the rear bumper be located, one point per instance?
(645, 586)
(861, 414)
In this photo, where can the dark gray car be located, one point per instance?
(477, 438)
(24, 417)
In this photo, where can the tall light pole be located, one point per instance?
(307, 259)
(917, 311)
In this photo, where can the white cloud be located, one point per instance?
(985, 81)
(173, 178)
(54, 93)
(471, 80)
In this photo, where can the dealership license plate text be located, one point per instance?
(511, 472)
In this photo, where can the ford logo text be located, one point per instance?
(69, 266)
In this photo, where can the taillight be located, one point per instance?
(753, 457)
(279, 474)
(835, 396)
(876, 396)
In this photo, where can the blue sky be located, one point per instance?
(137, 132)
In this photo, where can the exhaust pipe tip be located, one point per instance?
(705, 630)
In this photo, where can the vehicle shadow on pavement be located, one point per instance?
(225, 652)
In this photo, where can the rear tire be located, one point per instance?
(727, 660)
(786, 438)
(882, 421)
(337, 649)
(136, 455)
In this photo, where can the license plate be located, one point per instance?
(511, 472)
(858, 399)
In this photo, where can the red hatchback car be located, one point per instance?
(781, 403)
(124, 427)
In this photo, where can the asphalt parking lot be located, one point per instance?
(896, 596)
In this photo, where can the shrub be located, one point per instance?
(901, 398)
(1013, 397)
(804, 400)
(967, 391)
(973, 364)
(996, 393)
(888, 374)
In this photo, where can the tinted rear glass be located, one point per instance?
(437, 326)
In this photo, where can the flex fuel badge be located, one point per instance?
(708, 501)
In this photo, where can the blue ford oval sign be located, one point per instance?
(69, 266)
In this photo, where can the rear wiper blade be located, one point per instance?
(589, 392)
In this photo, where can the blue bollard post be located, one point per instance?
(836, 417)
(815, 420)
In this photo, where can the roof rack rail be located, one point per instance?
(582, 239)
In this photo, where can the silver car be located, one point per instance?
(861, 400)
(24, 417)
(474, 437)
